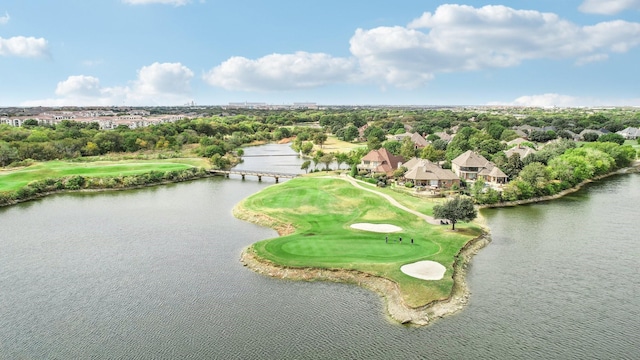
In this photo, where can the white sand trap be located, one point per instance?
(425, 270)
(381, 228)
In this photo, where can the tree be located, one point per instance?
(612, 137)
(305, 166)
(341, 158)
(393, 146)
(375, 132)
(7, 154)
(326, 159)
(495, 129)
(306, 147)
(432, 154)
(513, 166)
(590, 136)
(319, 139)
(350, 133)
(535, 174)
(439, 144)
(408, 148)
(457, 209)
(373, 143)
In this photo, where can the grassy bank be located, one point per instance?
(14, 179)
(321, 211)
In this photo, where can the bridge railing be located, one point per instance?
(256, 173)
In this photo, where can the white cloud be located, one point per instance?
(464, 38)
(5, 19)
(280, 72)
(163, 78)
(608, 7)
(24, 47)
(156, 84)
(591, 58)
(558, 100)
(79, 85)
(454, 38)
(167, 2)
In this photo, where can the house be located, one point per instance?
(472, 166)
(630, 133)
(423, 172)
(380, 161)
(418, 141)
(521, 133)
(526, 129)
(444, 136)
(522, 151)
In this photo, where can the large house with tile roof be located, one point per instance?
(472, 166)
(630, 133)
(418, 141)
(422, 172)
(522, 151)
(380, 161)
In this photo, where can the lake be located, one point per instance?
(155, 273)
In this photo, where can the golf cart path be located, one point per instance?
(392, 201)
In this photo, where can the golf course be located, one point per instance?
(14, 179)
(314, 216)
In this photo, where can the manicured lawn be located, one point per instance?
(322, 210)
(333, 144)
(11, 180)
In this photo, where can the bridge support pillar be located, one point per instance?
(276, 179)
(242, 176)
(259, 177)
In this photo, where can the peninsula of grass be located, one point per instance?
(12, 180)
(317, 214)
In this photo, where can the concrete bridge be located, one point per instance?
(258, 174)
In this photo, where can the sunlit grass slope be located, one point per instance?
(322, 210)
(12, 180)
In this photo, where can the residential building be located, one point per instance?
(423, 172)
(418, 141)
(380, 161)
(522, 151)
(630, 133)
(472, 166)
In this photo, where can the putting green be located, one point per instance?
(353, 251)
(318, 212)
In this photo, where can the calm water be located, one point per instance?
(154, 273)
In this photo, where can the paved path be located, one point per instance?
(391, 200)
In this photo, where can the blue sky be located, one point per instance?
(401, 52)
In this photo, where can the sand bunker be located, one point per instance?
(381, 228)
(425, 270)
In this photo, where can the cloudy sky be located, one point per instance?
(356, 52)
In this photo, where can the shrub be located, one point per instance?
(75, 182)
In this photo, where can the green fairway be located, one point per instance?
(322, 210)
(11, 180)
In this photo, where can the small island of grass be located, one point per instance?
(314, 215)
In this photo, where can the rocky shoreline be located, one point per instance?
(395, 305)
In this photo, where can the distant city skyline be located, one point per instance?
(174, 52)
